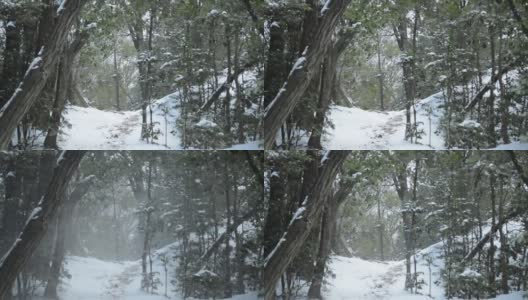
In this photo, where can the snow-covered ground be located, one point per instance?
(87, 128)
(358, 129)
(94, 279)
(355, 278)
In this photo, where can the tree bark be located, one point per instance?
(400, 183)
(518, 167)
(503, 243)
(491, 250)
(409, 83)
(327, 82)
(518, 17)
(223, 88)
(301, 224)
(254, 17)
(275, 69)
(302, 72)
(147, 237)
(328, 229)
(11, 211)
(329, 214)
(37, 223)
(276, 209)
(228, 287)
(380, 76)
(64, 222)
(37, 74)
(136, 29)
(512, 214)
(64, 82)
(478, 97)
(11, 64)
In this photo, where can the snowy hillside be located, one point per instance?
(355, 278)
(87, 128)
(359, 129)
(355, 128)
(94, 279)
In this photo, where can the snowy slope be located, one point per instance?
(94, 279)
(92, 129)
(357, 129)
(356, 278)
(360, 129)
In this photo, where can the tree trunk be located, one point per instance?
(11, 64)
(64, 222)
(380, 76)
(518, 17)
(227, 99)
(326, 87)
(328, 227)
(11, 211)
(274, 218)
(518, 167)
(503, 243)
(222, 238)
(117, 76)
(275, 70)
(485, 239)
(492, 140)
(478, 97)
(64, 84)
(302, 72)
(400, 182)
(380, 228)
(146, 282)
(400, 32)
(37, 74)
(505, 100)
(491, 251)
(301, 224)
(228, 289)
(38, 221)
(136, 29)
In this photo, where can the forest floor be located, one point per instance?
(88, 128)
(356, 278)
(95, 279)
(358, 129)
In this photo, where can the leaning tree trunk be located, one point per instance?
(302, 73)
(37, 223)
(223, 237)
(65, 221)
(328, 80)
(480, 245)
(301, 224)
(64, 82)
(328, 232)
(38, 72)
(329, 216)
